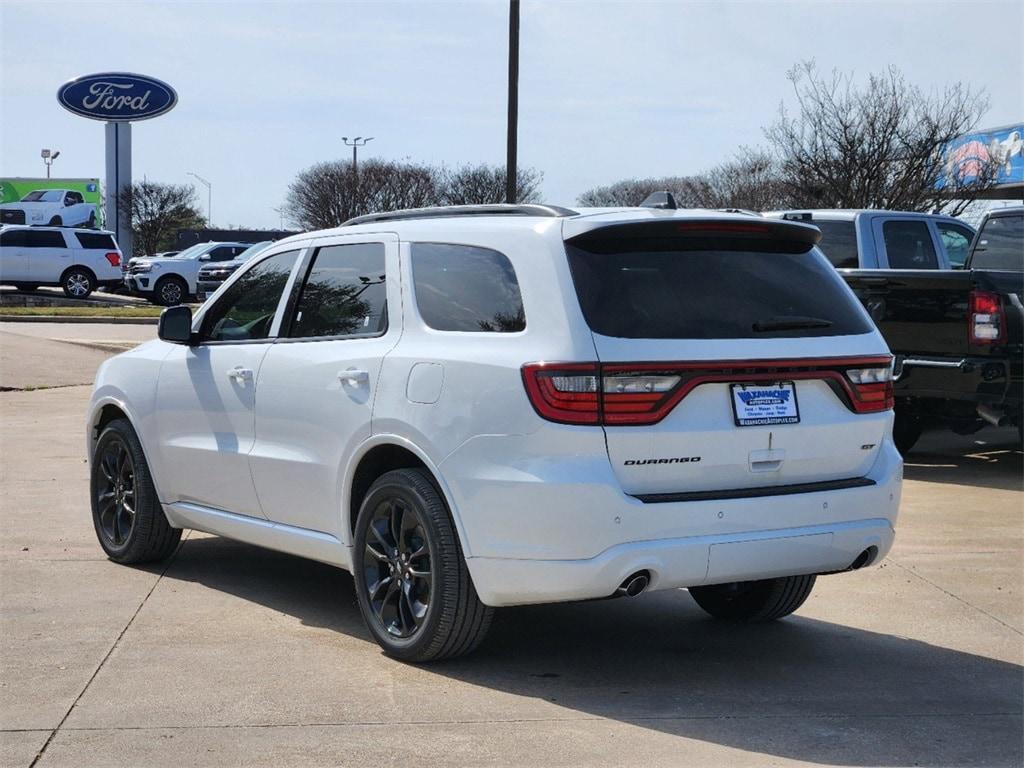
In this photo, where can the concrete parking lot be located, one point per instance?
(232, 655)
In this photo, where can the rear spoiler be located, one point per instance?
(667, 231)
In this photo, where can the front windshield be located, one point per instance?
(189, 253)
(43, 196)
(252, 250)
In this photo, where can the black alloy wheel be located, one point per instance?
(115, 492)
(130, 523)
(411, 579)
(397, 568)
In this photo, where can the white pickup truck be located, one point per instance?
(53, 207)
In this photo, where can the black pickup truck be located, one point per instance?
(957, 335)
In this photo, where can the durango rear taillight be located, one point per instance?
(986, 321)
(639, 394)
(872, 388)
(566, 393)
(114, 258)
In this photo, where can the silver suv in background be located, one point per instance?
(212, 276)
(78, 260)
(171, 280)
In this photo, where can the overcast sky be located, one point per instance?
(607, 90)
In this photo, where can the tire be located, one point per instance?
(427, 618)
(754, 601)
(122, 495)
(26, 287)
(78, 283)
(170, 291)
(906, 430)
(56, 221)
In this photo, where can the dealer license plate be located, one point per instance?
(755, 405)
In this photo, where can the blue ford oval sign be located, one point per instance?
(117, 96)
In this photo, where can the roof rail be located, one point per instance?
(744, 211)
(497, 209)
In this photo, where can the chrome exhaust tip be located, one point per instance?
(633, 585)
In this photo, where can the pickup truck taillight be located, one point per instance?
(986, 321)
(114, 258)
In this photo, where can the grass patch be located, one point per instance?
(82, 311)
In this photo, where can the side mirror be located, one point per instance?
(205, 257)
(175, 325)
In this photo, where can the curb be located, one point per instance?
(78, 319)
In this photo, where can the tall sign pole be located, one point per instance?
(511, 173)
(118, 99)
(119, 179)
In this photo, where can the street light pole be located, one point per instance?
(355, 143)
(209, 197)
(513, 101)
(48, 156)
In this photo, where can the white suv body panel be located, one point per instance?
(541, 508)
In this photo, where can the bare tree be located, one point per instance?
(481, 184)
(689, 192)
(881, 145)
(158, 211)
(751, 180)
(329, 193)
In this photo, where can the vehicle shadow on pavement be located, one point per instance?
(988, 459)
(801, 688)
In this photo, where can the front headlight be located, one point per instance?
(142, 268)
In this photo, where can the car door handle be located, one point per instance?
(240, 374)
(354, 377)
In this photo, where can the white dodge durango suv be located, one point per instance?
(487, 406)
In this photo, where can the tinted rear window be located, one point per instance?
(96, 240)
(1000, 244)
(838, 242)
(908, 245)
(673, 289)
(345, 293)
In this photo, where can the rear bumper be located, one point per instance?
(989, 380)
(560, 528)
(685, 562)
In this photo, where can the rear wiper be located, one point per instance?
(790, 323)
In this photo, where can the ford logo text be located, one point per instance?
(117, 96)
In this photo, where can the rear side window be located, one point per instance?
(669, 288)
(908, 245)
(43, 239)
(466, 288)
(344, 293)
(1001, 244)
(246, 310)
(13, 238)
(97, 241)
(838, 242)
(956, 239)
